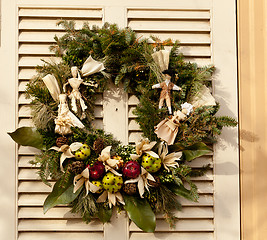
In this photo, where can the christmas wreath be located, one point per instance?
(94, 172)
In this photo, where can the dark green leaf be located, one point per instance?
(140, 212)
(177, 147)
(183, 192)
(104, 213)
(196, 150)
(61, 194)
(28, 136)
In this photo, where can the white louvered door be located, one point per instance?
(200, 31)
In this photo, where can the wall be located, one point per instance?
(253, 115)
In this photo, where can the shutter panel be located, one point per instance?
(192, 28)
(37, 28)
(190, 21)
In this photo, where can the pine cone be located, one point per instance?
(61, 141)
(98, 145)
(77, 167)
(156, 183)
(130, 188)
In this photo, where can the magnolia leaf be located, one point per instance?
(183, 192)
(61, 194)
(140, 212)
(177, 147)
(28, 136)
(196, 150)
(104, 213)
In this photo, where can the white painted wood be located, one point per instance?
(172, 236)
(8, 60)
(191, 225)
(46, 24)
(226, 152)
(168, 14)
(58, 225)
(60, 235)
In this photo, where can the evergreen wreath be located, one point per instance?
(94, 172)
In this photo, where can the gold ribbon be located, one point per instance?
(83, 178)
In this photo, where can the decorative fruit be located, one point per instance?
(131, 169)
(112, 183)
(150, 163)
(98, 184)
(83, 153)
(97, 170)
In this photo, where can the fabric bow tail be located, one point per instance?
(52, 85)
(142, 181)
(83, 179)
(111, 197)
(161, 58)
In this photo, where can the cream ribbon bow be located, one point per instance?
(67, 151)
(168, 160)
(112, 198)
(144, 146)
(142, 181)
(83, 178)
(110, 164)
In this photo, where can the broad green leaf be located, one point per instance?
(183, 192)
(177, 147)
(28, 136)
(140, 212)
(61, 194)
(196, 150)
(104, 214)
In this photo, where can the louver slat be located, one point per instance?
(192, 28)
(37, 28)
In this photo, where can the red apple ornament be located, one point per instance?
(131, 169)
(97, 170)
